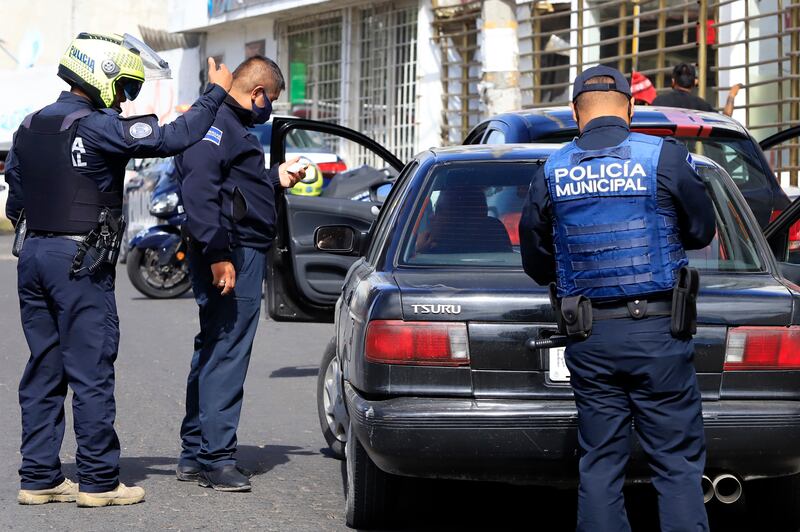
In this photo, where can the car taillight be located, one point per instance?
(762, 348)
(794, 231)
(425, 343)
(331, 169)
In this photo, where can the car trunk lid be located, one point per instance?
(503, 309)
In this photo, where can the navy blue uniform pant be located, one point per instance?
(634, 370)
(72, 330)
(222, 349)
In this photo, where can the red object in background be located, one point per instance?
(511, 222)
(711, 32)
(794, 232)
(642, 88)
(331, 169)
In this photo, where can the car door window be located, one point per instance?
(339, 167)
(495, 136)
(469, 215)
(475, 136)
(782, 150)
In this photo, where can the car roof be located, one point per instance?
(514, 152)
(490, 152)
(646, 119)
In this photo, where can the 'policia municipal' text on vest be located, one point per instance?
(610, 240)
(57, 198)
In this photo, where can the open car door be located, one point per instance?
(782, 151)
(779, 138)
(303, 283)
(781, 235)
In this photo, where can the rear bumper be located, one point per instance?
(535, 442)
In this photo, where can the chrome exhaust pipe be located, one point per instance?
(708, 489)
(727, 488)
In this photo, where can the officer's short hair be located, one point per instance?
(592, 98)
(251, 72)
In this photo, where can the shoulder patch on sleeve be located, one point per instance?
(690, 161)
(138, 128)
(214, 135)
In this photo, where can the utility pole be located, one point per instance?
(500, 69)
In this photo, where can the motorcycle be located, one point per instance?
(157, 264)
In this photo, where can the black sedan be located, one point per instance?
(429, 375)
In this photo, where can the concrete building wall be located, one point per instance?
(38, 31)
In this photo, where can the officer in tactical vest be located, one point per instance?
(65, 173)
(607, 221)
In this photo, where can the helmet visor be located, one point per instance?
(154, 66)
(130, 87)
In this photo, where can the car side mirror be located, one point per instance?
(340, 239)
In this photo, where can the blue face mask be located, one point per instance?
(262, 114)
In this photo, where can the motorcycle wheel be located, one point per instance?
(156, 282)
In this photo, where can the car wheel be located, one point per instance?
(367, 494)
(333, 418)
(777, 500)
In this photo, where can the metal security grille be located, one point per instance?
(315, 67)
(764, 37)
(387, 78)
(648, 36)
(455, 27)
(752, 42)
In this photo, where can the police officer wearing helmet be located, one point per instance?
(65, 173)
(229, 196)
(609, 217)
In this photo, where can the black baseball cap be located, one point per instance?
(620, 84)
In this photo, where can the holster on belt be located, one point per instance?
(684, 303)
(102, 244)
(573, 315)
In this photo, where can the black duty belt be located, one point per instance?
(636, 309)
(40, 234)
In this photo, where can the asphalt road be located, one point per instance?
(296, 487)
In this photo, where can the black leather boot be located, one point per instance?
(226, 478)
(188, 471)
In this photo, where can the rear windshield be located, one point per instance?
(469, 214)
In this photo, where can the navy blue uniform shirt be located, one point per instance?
(680, 193)
(104, 141)
(228, 194)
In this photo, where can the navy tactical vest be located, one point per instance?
(610, 240)
(56, 197)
